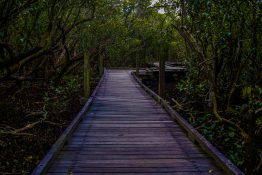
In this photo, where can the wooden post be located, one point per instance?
(87, 75)
(137, 64)
(135, 45)
(161, 80)
(101, 65)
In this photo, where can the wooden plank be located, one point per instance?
(127, 122)
(130, 151)
(136, 173)
(78, 169)
(138, 113)
(129, 156)
(106, 134)
(124, 162)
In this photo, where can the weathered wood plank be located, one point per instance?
(136, 173)
(125, 169)
(128, 156)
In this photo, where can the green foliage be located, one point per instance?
(57, 96)
(193, 89)
(259, 120)
(226, 138)
(72, 83)
(236, 158)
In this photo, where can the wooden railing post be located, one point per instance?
(87, 75)
(101, 65)
(137, 64)
(161, 80)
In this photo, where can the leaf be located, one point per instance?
(231, 134)
(28, 158)
(229, 34)
(246, 91)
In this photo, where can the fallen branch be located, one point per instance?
(178, 105)
(193, 117)
(54, 123)
(25, 78)
(242, 131)
(203, 124)
(15, 133)
(258, 169)
(21, 131)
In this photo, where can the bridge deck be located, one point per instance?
(127, 132)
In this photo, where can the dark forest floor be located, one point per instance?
(42, 113)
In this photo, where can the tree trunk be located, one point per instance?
(161, 81)
(137, 64)
(87, 75)
(250, 157)
(101, 65)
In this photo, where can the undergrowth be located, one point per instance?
(32, 119)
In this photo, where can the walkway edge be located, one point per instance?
(58, 145)
(193, 134)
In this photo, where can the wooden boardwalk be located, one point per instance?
(127, 132)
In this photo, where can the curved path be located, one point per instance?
(127, 132)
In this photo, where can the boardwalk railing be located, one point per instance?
(193, 134)
(58, 145)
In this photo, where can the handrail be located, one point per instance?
(193, 134)
(58, 145)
